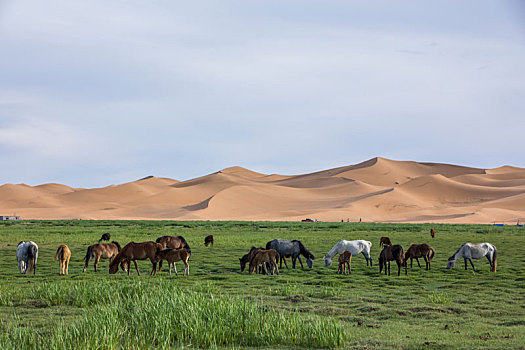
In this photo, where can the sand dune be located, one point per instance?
(378, 189)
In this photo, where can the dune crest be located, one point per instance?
(377, 189)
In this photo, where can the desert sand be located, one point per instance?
(377, 190)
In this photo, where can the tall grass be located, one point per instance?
(139, 315)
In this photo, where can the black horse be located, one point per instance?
(105, 237)
(291, 249)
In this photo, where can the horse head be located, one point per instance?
(327, 261)
(451, 262)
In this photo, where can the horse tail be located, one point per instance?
(89, 253)
(60, 253)
(118, 245)
(494, 259)
(432, 253)
(185, 244)
(32, 253)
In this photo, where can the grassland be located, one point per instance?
(216, 306)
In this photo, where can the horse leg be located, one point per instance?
(186, 267)
(169, 268)
(97, 259)
(398, 267)
(490, 262)
(160, 265)
(418, 264)
(465, 263)
(388, 268)
(275, 266)
(175, 268)
(285, 263)
(136, 267)
(471, 263)
(427, 263)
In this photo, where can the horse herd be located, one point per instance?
(260, 260)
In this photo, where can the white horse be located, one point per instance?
(27, 255)
(475, 251)
(354, 247)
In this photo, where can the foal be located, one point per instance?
(390, 253)
(416, 251)
(63, 255)
(344, 260)
(264, 256)
(384, 241)
(171, 256)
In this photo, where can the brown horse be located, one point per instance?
(101, 251)
(174, 242)
(344, 260)
(63, 255)
(432, 232)
(384, 241)
(248, 257)
(208, 240)
(391, 253)
(172, 255)
(136, 251)
(416, 251)
(264, 256)
(105, 237)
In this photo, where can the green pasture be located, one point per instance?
(217, 306)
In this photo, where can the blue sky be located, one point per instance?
(94, 93)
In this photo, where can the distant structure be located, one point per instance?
(9, 218)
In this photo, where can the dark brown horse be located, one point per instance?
(101, 251)
(172, 255)
(136, 251)
(344, 261)
(384, 241)
(208, 240)
(105, 237)
(391, 253)
(265, 256)
(416, 251)
(174, 242)
(432, 232)
(248, 257)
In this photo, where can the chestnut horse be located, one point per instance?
(63, 255)
(344, 260)
(390, 253)
(416, 251)
(136, 251)
(384, 241)
(432, 232)
(174, 242)
(172, 255)
(264, 256)
(101, 251)
(208, 240)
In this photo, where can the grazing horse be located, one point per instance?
(384, 241)
(291, 249)
(344, 261)
(475, 251)
(416, 251)
(265, 256)
(354, 247)
(136, 251)
(27, 255)
(248, 257)
(174, 242)
(390, 253)
(105, 237)
(208, 240)
(432, 232)
(63, 255)
(172, 255)
(101, 251)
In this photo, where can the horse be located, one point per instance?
(265, 256)
(27, 255)
(384, 241)
(291, 249)
(344, 261)
(475, 251)
(248, 257)
(63, 255)
(105, 237)
(354, 247)
(432, 232)
(389, 253)
(172, 255)
(174, 242)
(136, 251)
(416, 251)
(208, 240)
(101, 251)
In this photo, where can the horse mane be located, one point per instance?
(185, 244)
(20, 242)
(118, 245)
(303, 249)
(159, 239)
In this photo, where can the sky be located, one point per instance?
(103, 92)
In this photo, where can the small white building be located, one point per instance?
(9, 218)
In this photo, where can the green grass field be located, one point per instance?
(217, 306)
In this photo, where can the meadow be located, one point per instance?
(217, 306)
